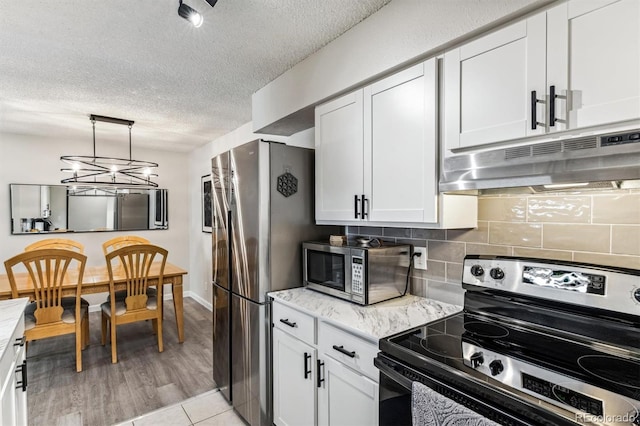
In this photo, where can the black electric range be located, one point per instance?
(538, 342)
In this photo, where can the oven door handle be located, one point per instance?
(388, 371)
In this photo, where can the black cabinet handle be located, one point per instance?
(307, 371)
(342, 350)
(22, 384)
(319, 364)
(289, 323)
(534, 110)
(356, 200)
(552, 106)
(365, 207)
(20, 341)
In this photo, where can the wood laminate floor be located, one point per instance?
(143, 380)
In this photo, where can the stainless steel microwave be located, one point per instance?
(357, 273)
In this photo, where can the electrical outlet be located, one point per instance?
(420, 262)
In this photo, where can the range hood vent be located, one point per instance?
(587, 162)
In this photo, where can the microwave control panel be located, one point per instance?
(357, 275)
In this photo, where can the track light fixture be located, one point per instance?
(190, 14)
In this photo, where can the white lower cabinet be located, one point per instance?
(294, 385)
(13, 394)
(346, 397)
(331, 381)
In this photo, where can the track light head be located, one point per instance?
(190, 14)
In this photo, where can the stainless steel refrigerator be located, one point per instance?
(263, 207)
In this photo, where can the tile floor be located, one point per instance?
(207, 409)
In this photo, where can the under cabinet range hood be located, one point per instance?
(603, 161)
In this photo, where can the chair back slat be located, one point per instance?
(48, 272)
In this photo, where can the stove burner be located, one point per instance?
(615, 370)
(444, 345)
(482, 329)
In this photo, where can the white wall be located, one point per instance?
(37, 160)
(400, 32)
(199, 165)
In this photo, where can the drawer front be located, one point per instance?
(349, 349)
(294, 322)
(17, 341)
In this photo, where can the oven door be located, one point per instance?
(327, 268)
(396, 380)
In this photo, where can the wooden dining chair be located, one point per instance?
(48, 271)
(65, 244)
(137, 265)
(122, 241)
(56, 243)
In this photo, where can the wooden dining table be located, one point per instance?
(96, 280)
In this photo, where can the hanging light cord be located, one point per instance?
(93, 122)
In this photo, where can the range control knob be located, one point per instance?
(476, 359)
(477, 271)
(496, 273)
(496, 367)
(636, 295)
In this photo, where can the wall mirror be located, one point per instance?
(60, 208)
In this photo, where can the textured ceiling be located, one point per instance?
(137, 59)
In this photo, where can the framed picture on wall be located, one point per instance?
(207, 207)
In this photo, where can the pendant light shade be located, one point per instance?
(92, 170)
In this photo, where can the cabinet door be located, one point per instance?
(346, 398)
(488, 85)
(294, 391)
(594, 58)
(339, 168)
(400, 153)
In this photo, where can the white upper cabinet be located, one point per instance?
(400, 149)
(377, 156)
(488, 84)
(593, 60)
(573, 66)
(339, 157)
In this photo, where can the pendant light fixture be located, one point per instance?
(94, 170)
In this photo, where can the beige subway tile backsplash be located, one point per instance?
(489, 249)
(454, 272)
(476, 235)
(445, 251)
(623, 208)
(507, 209)
(559, 209)
(625, 239)
(593, 227)
(542, 253)
(608, 259)
(593, 238)
(515, 234)
(435, 270)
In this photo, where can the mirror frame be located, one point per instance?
(156, 217)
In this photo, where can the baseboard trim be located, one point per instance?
(199, 299)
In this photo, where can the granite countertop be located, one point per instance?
(12, 310)
(371, 322)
